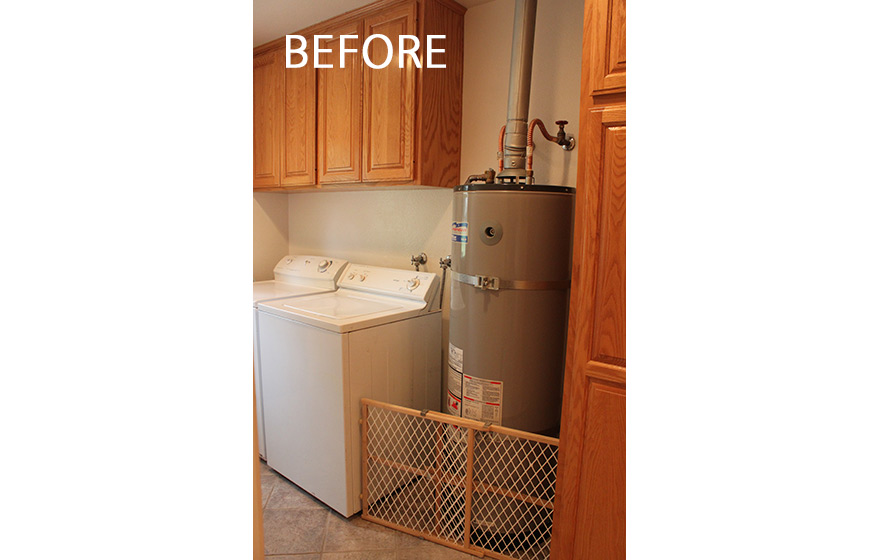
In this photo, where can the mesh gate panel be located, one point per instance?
(416, 473)
(487, 490)
(515, 481)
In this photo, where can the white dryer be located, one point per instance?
(377, 336)
(295, 276)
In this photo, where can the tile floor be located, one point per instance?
(298, 527)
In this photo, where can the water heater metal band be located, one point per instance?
(493, 283)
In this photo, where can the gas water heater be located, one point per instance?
(511, 272)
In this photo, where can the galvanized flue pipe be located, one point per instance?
(516, 131)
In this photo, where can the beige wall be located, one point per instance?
(270, 232)
(383, 227)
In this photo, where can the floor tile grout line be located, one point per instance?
(269, 496)
(326, 528)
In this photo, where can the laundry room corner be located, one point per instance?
(270, 232)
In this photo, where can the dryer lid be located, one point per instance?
(270, 289)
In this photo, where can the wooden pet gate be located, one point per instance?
(479, 488)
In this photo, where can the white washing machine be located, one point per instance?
(377, 336)
(295, 276)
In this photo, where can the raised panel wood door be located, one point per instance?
(602, 494)
(339, 108)
(590, 519)
(608, 55)
(389, 98)
(268, 115)
(606, 251)
(300, 152)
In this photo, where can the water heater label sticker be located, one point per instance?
(482, 412)
(481, 398)
(456, 357)
(459, 232)
(484, 390)
(453, 404)
(453, 382)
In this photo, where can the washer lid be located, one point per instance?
(338, 307)
(344, 310)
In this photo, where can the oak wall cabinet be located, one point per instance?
(389, 100)
(590, 517)
(284, 123)
(355, 126)
(268, 114)
(339, 108)
(298, 139)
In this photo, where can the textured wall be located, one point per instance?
(270, 232)
(373, 227)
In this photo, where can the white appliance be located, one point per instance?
(377, 336)
(295, 276)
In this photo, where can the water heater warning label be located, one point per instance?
(453, 404)
(454, 379)
(453, 382)
(484, 412)
(456, 357)
(481, 398)
(459, 232)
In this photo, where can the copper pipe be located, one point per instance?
(530, 142)
(501, 149)
(540, 125)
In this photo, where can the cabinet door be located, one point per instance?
(608, 55)
(601, 517)
(389, 98)
(298, 161)
(590, 520)
(268, 115)
(339, 108)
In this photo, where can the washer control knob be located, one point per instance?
(324, 265)
(363, 277)
(412, 284)
(351, 275)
